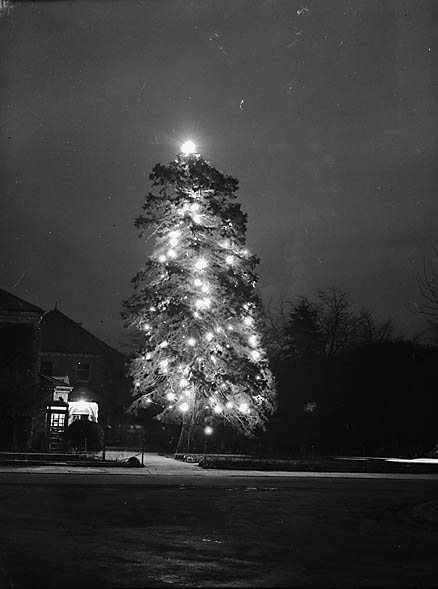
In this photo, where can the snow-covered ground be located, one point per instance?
(410, 460)
(122, 454)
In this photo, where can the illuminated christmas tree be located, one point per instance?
(201, 360)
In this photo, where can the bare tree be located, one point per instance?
(371, 331)
(428, 285)
(276, 320)
(338, 321)
(326, 326)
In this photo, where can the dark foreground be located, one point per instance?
(310, 532)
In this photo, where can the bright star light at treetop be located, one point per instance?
(188, 148)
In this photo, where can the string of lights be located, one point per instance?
(196, 304)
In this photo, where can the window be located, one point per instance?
(57, 420)
(46, 368)
(83, 371)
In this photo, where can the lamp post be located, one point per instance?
(310, 408)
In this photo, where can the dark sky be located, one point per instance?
(325, 111)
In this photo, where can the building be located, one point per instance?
(93, 371)
(19, 364)
(70, 367)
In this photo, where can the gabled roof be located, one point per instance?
(61, 334)
(10, 302)
(50, 381)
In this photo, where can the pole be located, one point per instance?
(180, 437)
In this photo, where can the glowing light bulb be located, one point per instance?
(146, 327)
(203, 303)
(208, 430)
(162, 258)
(137, 384)
(170, 396)
(191, 341)
(184, 407)
(209, 336)
(197, 282)
(188, 147)
(201, 264)
(173, 237)
(252, 340)
(229, 259)
(248, 320)
(229, 405)
(243, 407)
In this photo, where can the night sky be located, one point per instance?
(325, 111)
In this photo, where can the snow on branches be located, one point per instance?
(202, 358)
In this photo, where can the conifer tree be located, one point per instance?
(201, 358)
